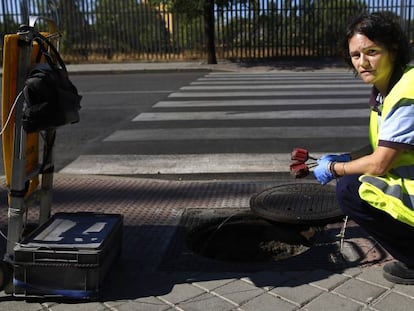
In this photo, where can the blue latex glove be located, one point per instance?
(321, 172)
(344, 157)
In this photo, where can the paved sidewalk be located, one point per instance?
(301, 65)
(158, 271)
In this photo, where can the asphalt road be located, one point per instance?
(108, 102)
(183, 124)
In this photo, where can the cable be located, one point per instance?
(10, 113)
(7, 239)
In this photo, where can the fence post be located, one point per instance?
(24, 8)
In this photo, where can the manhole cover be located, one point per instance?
(302, 203)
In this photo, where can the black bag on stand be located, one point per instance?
(51, 100)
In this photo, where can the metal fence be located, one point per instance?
(131, 30)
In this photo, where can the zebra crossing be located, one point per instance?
(227, 122)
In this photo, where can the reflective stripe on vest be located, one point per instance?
(390, 195)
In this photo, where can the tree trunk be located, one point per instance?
(209, 31)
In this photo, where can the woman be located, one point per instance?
(376, 188)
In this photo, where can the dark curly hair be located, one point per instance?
(382, 28)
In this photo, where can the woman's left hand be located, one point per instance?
(322, 172)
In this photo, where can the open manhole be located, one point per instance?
(248, 238)
(283, 224)
(299, 203)
(235, 239)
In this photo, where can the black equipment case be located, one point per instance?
(68, 256)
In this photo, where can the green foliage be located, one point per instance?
(331, 17)
(191, 9)
(195, 27)
(293, 25)
(9, 25)
(126, 25)
(73, 25)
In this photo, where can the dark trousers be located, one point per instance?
(396, 237)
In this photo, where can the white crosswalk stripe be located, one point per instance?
(179, 164)
(228, 113)
(297, 92)
(240, 115)
(255, 102)
(247, 86)
(236, 133)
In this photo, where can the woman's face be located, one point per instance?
(373, 62)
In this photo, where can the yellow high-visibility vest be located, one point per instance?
(393, 193)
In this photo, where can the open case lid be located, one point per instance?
(73, 231)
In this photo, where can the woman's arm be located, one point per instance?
(376, 163)
(356, 154)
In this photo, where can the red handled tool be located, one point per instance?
(301, 155)
(299, 168)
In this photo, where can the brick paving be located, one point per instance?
(152, 211)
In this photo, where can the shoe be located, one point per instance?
(397, 272)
